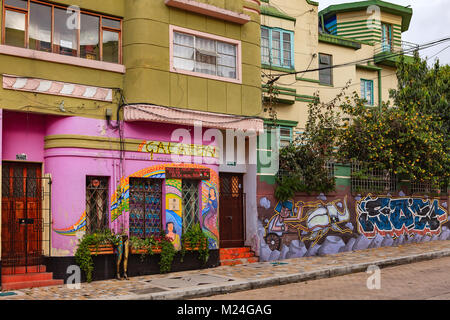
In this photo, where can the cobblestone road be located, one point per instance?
(169, 285)
(426, 280)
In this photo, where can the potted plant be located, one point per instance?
(194, 239)
(101, 242)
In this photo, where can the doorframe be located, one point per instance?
(244, 209)
(41, 199)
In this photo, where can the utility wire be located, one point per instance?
(418, 48)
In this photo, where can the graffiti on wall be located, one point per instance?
(295, 229)
(171, 148)
(397, 216)
(310, 220)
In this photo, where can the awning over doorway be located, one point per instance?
(146, 112)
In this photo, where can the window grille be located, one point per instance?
(96, 204)
(190, 203)
(145, 207)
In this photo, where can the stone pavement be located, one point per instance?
(227, 279)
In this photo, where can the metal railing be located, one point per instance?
(366, 179)
(404, 47)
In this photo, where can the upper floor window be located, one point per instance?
(386, 37)
(367, 91)
(52, 28)
(277, 47)
(197, 53)
(325, 69)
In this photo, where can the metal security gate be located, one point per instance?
(25, 203)
(190, 203)
(232, 211)
(145, 207)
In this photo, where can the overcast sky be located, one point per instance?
(429, 22)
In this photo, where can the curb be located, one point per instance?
(211, 290)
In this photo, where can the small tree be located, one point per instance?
(302, 163)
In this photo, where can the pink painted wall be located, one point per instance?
(23, 133)
(70, 166)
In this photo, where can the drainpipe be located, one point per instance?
(323, 24)
(379, 90)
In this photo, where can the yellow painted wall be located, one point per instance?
(306, 44)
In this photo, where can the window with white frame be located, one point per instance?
(205, 55)
(277, 47)
(367, 91)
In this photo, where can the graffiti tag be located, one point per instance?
(388, 216)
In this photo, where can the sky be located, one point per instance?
(429, 22)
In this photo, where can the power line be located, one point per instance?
(418, 48)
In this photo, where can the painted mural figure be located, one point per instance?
(210, 211)
(322, 219)
(276, 226)
(123, 250)
(314, 219)
(173, 236)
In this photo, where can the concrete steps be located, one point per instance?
(235, 256)
(30, 277)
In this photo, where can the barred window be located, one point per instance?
(96, 204)
(190, 203)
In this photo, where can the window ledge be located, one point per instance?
(58, 58)
(209, 10)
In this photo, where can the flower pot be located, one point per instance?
(194, 246)
(156, 249)
(102, 249)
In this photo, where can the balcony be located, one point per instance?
(389, 54)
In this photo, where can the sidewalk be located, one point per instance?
(227, 279)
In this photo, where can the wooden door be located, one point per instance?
(21, 214)
(231, 211)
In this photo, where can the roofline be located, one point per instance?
(405, 13)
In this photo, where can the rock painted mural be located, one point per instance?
(321, 225)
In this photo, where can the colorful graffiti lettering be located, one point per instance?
(311, 219)
(161, 147)
(390, 216)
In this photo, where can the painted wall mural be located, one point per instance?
(320, 225)
(397, 216)
(173, 212)
(71, 231)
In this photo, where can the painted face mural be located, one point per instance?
(310, 220)
(209, 212)
(397, 216)
(173, 236)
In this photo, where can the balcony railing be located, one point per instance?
(404, 47)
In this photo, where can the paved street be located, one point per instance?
(427, 280)
(227, 279)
